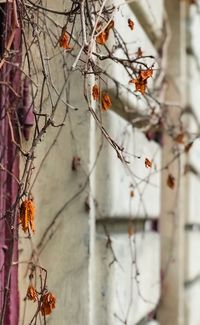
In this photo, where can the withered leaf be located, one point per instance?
(106, 102)
(145, 74)
(48, 303)
(131, 24)
(32, 293)
(180, 138)
(95, 92)
(171, 181)
(148, 163)
(188, 146)
(64, 41)
(103, 36)
(140, 85)
(76, 162)
(27, 215)
(141, 81)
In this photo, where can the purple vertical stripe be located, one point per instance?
(8, 185)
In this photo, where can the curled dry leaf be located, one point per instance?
(132, 193)
(180, 138)
(64, 41)
(131, 24)
(106, 102)
(103, 36)
(31, 293)
(76, 162)
(148, 163)
(27, 215)
(140, 85)
(171, 181)
(188, 147)
(139, 53)
(48, 303)
(141, 81)
(145, 74)
(95, 92)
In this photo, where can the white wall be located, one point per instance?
(88, 289)
(193, 235)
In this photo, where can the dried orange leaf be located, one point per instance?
(103, 36)
(148, 163)
(64, 41)
(146, 74)
(171, 181)
(31, 293)
(27, 215)
(180, 138)
(95, 92)
(132, 193)
(48, 303)
(106, 102)
(141, 81)
(131, 24)
(140, 85)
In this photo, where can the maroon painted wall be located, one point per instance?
(9, 160)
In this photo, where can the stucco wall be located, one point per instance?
(88, 290)
(95, 283)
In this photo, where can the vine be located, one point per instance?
(82, 40)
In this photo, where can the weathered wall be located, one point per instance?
(88, 290)
(102, 266)
(59, 191)
(75, 274)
